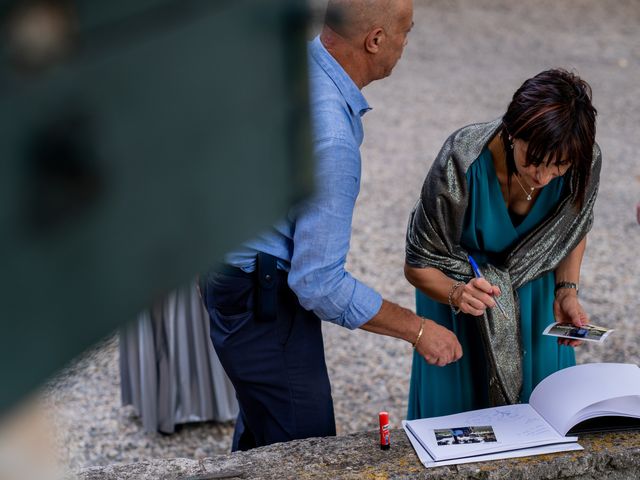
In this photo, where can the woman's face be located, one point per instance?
(535, 176)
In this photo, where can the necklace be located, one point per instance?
(528, 194)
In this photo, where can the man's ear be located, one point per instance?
(374, 39)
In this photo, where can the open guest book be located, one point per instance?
(580, 399)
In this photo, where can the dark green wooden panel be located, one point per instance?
(174, 131)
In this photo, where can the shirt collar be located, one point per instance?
(345, 84)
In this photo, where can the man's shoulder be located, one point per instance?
(332, 117)
(325, 93)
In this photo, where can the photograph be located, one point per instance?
(464, 435)
(229, 225)
(591, 333)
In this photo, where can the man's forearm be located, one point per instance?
(435, 343)
(394, 321)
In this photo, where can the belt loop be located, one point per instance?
(267, 304)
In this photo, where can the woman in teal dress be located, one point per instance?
(517, 195)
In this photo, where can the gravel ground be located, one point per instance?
(463, 62)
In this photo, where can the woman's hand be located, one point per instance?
(475, 297)
(567, 309)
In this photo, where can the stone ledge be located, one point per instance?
(611, 456)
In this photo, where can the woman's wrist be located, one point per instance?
(566, 288)
(453, 297)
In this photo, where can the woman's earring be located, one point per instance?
(511, 142)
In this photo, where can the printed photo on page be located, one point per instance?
(590, 333)
(462, 435)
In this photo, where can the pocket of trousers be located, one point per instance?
(230, 324)
(231, 297)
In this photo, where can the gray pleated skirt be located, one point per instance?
(169, 370)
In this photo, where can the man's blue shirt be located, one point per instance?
(313, 241)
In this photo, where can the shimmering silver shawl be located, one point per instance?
(433, 240)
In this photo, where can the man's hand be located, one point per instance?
(438, 345)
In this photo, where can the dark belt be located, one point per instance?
(230, 270)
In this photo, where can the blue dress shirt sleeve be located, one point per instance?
(321, 241)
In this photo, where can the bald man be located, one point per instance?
(268, 301)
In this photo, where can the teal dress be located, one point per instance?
(489, 231)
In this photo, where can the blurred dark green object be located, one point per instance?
(139, 141)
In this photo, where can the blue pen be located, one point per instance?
(478, 274)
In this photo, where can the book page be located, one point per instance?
(561, 397)
(484, 431)
(616, 407)
(429, 462)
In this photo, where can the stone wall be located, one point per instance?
(605, 456)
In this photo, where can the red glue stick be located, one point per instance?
(385, 441)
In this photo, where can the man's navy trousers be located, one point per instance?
(275, 362)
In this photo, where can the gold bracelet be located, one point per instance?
(419, 333)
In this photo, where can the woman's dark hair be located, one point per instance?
(553, 113)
